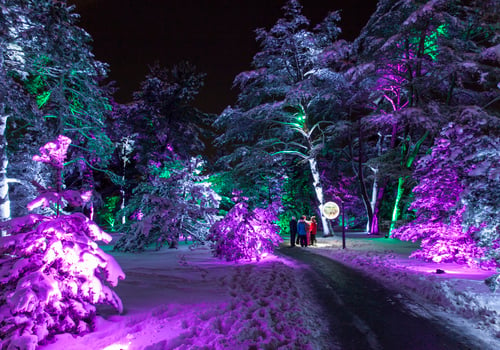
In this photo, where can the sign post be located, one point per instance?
(331, 210)
(343, 225)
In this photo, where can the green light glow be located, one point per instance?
(431, 47)
(411, 155)
(168, 169)
(300, 117)
(107, 213)
(399, 195)
(42, 98)
(301, 120)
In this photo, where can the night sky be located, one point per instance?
(216, 35)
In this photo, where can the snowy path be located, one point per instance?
(365, 315)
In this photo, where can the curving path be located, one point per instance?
(363, 314)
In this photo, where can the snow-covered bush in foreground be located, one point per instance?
(244, 233)
(52, 273)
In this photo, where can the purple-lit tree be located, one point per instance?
(52, 273)
(456, 200)
(420, 58)
(159, 121)
(246, 233)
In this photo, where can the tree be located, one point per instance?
(50, 59)
(176, 201)
(282, 111)
(456, 201)
(160, 124)
(52, 273)
(418, 57)
(13, 99)
(163, 110)
(245, 233)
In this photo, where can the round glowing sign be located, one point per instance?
(331, 210)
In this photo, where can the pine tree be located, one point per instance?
(52, 273)
(283, 111)
(49, 59)
(160, 124)
(456, 201)
(176, 201)
(245, 233)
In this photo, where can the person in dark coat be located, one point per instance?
(293, 231)
(302, 231)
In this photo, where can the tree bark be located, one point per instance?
(361, 178)
(4, 162)
(318, 190)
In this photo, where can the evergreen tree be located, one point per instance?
(456, 201)
(465, 77)
(176, 201)
(245, 233)
(49, 56)
(415, 55)
(52, 273)
(159, 125)
(283, 111)
(14, 101)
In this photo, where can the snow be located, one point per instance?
(186, 299)
(458, 296)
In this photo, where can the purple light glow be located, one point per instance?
(245, 234)
(52, 273)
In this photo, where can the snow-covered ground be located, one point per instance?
(186, 299)
(459, 297)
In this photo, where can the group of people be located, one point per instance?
(303, 232)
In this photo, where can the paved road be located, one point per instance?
(365, 315)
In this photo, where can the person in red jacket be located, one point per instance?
(313, 229)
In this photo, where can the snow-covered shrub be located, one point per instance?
(52, 273)
(175, 201)
(245, 233)
(457, 198)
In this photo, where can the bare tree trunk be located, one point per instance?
(361, 177)
(318, 190)
(4, 162)
(373, 199)
(380, 195)
(375, 187)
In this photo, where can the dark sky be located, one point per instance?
(216, 35)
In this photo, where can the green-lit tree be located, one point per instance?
(283, 110)
(175, 201)
(49, 57)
